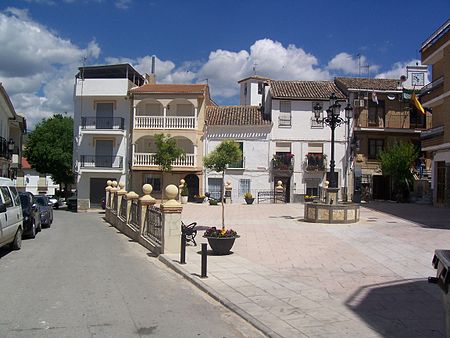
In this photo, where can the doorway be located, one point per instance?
(192, 183)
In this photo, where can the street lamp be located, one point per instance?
(333, 120)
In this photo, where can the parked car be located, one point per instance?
(31, 215)
(71, 203)
(45, 208)
(56, 201)
(11, 219)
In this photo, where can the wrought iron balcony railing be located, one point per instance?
(100, 161)
(106, 123)
(315, 161)
(283, 161)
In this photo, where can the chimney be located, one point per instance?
(151, 78)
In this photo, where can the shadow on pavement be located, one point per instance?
(425, 215)
(409, 308)
(5, 250)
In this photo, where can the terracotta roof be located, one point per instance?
(235, 116)
(368, 84)
(171, 88)
(304, 90)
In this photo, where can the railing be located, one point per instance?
(153, 224)
(161, 122)
(315, 161)
(432, 85)
(100, 161)
(283, 161)
(115, 200)
(148, 159)
(123, 210)
(106, 123)
(134, 213)
(270, 196)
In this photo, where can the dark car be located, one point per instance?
(71, 203)
(31, 215)
(45, 208)
(56, 201)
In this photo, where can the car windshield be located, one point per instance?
(24, 200)
(40, 201)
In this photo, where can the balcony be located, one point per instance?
(283, 162)
(161, 122)
(4, 152)
(432, 90)
(315, 162)
(101, 161)
(102, 123)
(148, 160)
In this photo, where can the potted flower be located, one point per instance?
(220, 240)
(219, 159)
(310, 198)
(249, 197)
(199, 198)
(184, 194)
(213, 201)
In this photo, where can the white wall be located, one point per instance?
(256, 142)
(102, 87)
(31, 180)
(252, 98)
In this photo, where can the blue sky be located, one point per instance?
(44, 42)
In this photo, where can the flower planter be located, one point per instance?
(184, 199)
(249, 200)
(221, 245)
(309, 200)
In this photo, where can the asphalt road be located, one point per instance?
(81, 278)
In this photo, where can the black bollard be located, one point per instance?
(204, 260)
(183, 248)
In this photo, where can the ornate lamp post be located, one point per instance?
(333, 120)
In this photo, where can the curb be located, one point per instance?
(215, 295)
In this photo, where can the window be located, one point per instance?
(284, 119)
(7, 199)
(416, 118)
(15, 195)
(260, 87)
(245, 89)
(239, 164)
(154, 180)
(312, 187)
(244, 186)
(215, 187)
(375, 147)
(376, 113)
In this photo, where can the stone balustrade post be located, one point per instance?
(180, 187)
(120, 194)
(279, 191)
(107, 193)
(171, 211)
(144, 202)
(112, 191)
(129, 198)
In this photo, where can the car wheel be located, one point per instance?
(17, 243)
(33, 230)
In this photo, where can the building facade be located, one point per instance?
(177, 110)
(101, 129)
(435, 51)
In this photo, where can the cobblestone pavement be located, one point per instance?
(296, 279)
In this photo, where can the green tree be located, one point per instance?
(49, 148)
(397, 162)
(167, 152)
(226, 153)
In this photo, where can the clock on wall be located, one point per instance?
(417, 79)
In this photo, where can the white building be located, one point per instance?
(299, 147)
(30, 180)
(247, 126)
(101, 128)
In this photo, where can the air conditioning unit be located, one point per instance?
(358, 103)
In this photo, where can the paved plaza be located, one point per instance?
(295, 279)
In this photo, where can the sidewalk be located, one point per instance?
(295, 279)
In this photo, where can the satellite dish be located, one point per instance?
(403, 78)
(391, 97)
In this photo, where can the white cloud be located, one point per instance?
(398, 69)
(123, 4)
(352, 64)
(37, 67)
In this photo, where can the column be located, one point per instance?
(171, 211)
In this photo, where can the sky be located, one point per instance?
(43, 42)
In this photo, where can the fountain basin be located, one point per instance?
(331, 213)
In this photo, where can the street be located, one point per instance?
(81, 278)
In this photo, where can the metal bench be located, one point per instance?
(189, 231)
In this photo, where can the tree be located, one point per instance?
(218, 160)
(49, 148)
(397, 162)
(167, 152)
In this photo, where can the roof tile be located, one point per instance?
(235, 116)
(369, 84)
(304, 90)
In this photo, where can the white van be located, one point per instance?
(11, 219)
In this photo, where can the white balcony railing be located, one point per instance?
(168, 122)
(147, 159)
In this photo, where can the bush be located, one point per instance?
(185, 190)
(248, 195)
